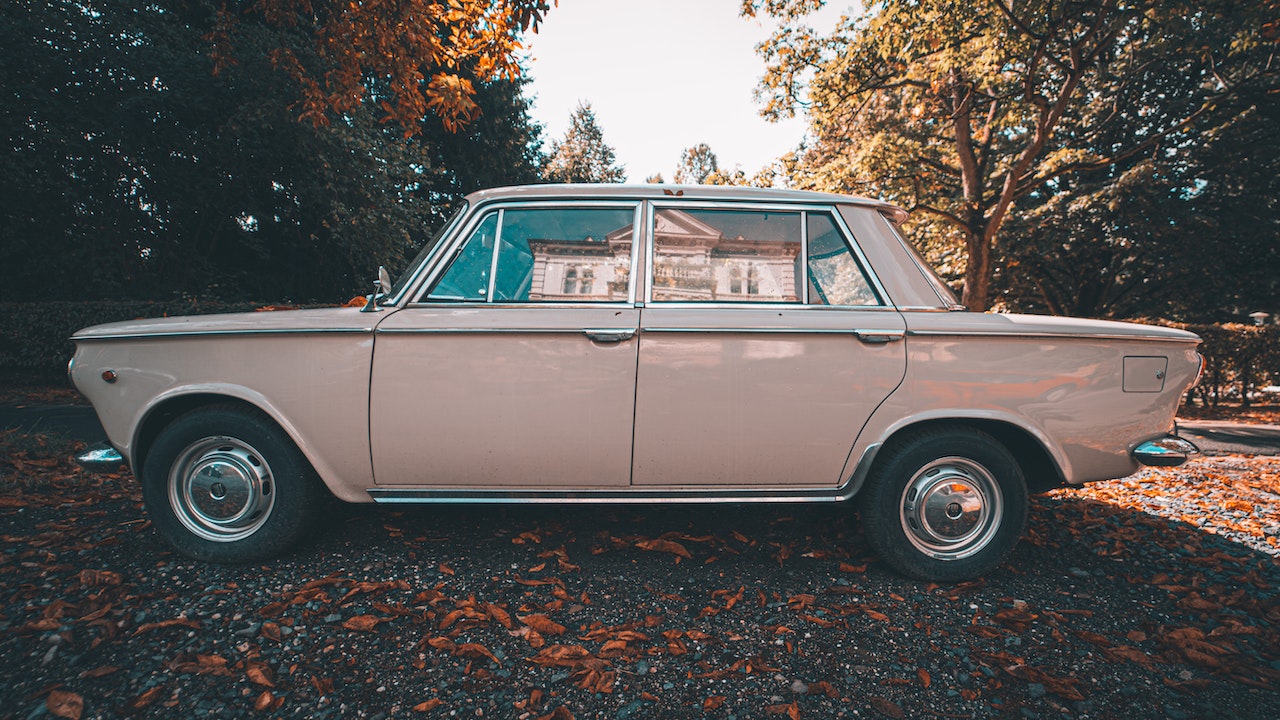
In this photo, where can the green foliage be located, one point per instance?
(1238, 360)
(582, 156)
(696, 165)
(131, 170)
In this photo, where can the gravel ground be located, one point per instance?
(1155, 597)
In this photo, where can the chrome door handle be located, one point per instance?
(610, 335)
(878, 337)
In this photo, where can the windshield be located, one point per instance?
(411, 269)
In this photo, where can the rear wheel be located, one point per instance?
(945, 504)
(228, 485)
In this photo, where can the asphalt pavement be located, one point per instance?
(78, 422)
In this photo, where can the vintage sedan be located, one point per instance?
(613, 344)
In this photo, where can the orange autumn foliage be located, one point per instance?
(423, 55)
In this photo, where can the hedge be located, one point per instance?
(1239, 359)
(34, 345)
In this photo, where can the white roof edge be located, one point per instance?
(655, 191)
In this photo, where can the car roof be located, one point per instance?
(653, 191)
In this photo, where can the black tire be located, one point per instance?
(945, 504)
(225, 484)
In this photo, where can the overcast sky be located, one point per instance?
(661, 76)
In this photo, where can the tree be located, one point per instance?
(1188, 233)
(961, 108)
(130, 171)
(405, 57)
(696, 165)
(582, 156)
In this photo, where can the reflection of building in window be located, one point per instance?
(583, 270)
(693, 260)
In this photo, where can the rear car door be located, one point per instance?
(765, 346)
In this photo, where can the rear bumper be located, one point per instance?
(1168, 451)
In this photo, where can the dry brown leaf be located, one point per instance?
(887, 708)
(666, 546)
(562, 656)
(428, 705)
(271, 631)
(713, 702)
(95, 578)
(792, 711)
(259, 674)
(1133, 655)
(560, 713)
(499, 614)
(146, 698)
(362, 623)
(822, 687)
(64, 704)
(925, 679)
(184, 622)
(476, 651)
(542, 624)
(264, 701)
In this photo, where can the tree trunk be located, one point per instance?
(977, 273)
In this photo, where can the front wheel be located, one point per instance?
(945, 504)
(227, 485)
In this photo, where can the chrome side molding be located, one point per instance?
(605, 496)
(1168, 451)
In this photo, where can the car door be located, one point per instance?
(515, 366)
(765, 346)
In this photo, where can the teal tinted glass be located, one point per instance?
(564, 255)
(467, 279)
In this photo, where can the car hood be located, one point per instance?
(322, 320)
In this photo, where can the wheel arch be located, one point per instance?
(1041, 471)
(166, 410)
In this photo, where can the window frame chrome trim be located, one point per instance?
(434, 266)
(802, 209)
(804, 257)
(493, 262)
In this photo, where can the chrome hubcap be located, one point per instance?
(952, 508)
(221, 489)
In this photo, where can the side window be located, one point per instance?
(467, 279)
(564, 255)
(726, 256)
(834, 275)
(578, 254)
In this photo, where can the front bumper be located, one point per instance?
(100, 458)
(1168, 451)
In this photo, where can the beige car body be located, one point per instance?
(648, 401)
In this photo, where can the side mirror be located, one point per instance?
(381, 287)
